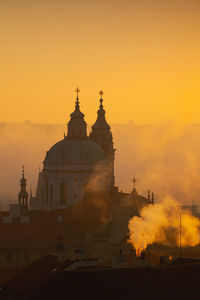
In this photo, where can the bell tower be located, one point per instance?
(77, 127)
(23, 195)
(101, 134)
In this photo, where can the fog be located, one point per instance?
(164, 158)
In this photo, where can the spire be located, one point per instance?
(23, 195)
(77, 106)
(134, 191)
(101, 100)
(77, 125)
(77, 113)
(101, 134)
(134, 182)
(23, 179)
(101, 119)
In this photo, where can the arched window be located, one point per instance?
(63, 193)
(51, 193)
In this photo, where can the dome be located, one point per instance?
(72, 151)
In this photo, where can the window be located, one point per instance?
(51, 193)
(63, 193)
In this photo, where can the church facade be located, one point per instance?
(77, 164)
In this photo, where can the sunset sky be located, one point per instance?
(144, 55)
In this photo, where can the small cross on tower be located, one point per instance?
(134, 182)
(77, 91)
(23, 171)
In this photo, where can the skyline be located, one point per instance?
(169, 167)
(144, 56)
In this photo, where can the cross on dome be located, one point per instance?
(134, 182)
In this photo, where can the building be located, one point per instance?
(77, 163)
(47, 279)
(76, 200)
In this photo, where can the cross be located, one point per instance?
(134, 182)
(77, 91)
(23, 170)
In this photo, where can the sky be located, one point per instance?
(143, 54)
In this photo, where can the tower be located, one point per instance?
(77, 127)
(23, 195)
(69, 167)
(101, 134)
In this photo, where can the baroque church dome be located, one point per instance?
(76, 164)
(75, 148)
(74, 151)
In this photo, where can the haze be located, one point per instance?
(163, 158)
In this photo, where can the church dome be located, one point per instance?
(74, 151)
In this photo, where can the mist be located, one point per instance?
(164, 158)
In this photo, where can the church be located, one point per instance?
(76, 204)
(77, 163)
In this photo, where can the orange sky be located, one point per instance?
(143, 54)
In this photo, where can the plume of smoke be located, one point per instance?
(95, 187)
(160, 223)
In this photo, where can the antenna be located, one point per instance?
(180, 237)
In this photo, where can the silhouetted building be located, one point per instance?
(77, 163)
(76, 198)
(23, 195)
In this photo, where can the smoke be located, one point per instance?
(164, 158)
(160, 223)
(94, 209)
(95, 191)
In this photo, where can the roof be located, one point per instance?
(184, 260)
(145, 283)
(74, 151)
(33, 277)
